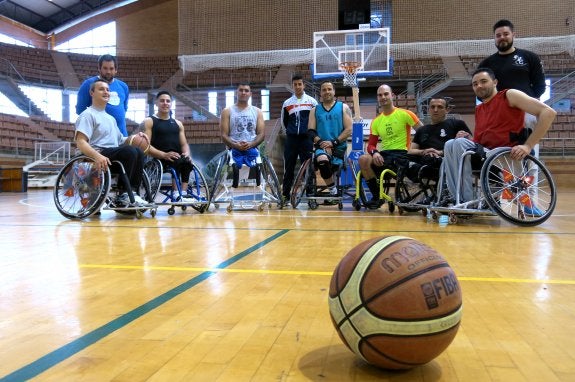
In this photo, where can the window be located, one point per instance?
(11, 40)
(47, 99)
(230, 97)
(213, 102)
(98, 41)
(265, 94)
(8, 107)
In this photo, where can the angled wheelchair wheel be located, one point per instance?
(80, 189)
(220, 175)
(408, 193)
(198, 190)
(521, 192)
(153, 168)
(271, 180)
(300, 183)
(363, 194)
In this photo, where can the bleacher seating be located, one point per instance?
(34, 65)
(202, 132)
(140, 73)
(63, 130)
(560, 138)
(18, 135)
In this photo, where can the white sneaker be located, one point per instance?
(122, 200)
(139, 202)
(333, 191)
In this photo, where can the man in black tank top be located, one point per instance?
(168, 139)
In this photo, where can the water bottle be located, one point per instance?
(429, 216)
(443, 220)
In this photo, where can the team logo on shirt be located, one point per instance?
(442, 133)
(518, 61)
(114, 98)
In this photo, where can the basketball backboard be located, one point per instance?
(367, 47)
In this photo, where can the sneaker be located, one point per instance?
(374, 204)
(185, 195)
(446, 202)
(333, 191)
(139, 202)
(122, 200)
(533, 211)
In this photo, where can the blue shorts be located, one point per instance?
(248, 157)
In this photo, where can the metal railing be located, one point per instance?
(562, 147)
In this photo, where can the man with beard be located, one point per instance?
(514, 68)
(499, 122)
(119, 92)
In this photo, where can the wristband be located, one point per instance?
(373, 152)
(335, 142)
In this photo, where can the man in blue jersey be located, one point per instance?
(329, 127)
(119, 92)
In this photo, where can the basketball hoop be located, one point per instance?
(349, 69)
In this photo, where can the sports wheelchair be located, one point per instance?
(245, 187)
(307, 187)
(167, 190)
(386, 180)
(416, 184)
(81, 190)
(521, 192)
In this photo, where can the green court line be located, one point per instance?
(53, 358)
(306, 273)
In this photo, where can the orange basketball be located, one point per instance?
(395, 302)
(140, 141)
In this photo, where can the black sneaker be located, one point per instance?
(374, 204)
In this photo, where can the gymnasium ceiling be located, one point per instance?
(49, 15)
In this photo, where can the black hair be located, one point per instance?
(107, 57)
(503, 23)
(486, 70)
(447, 100)
(296, 77)
(162, 92)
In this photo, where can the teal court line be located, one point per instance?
(53, 358)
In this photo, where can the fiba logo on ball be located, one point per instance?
(395, 302)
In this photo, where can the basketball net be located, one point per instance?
(350, 69)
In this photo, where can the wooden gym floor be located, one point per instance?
(243, 296)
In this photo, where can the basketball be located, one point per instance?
(395, 302)
(140, 141)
